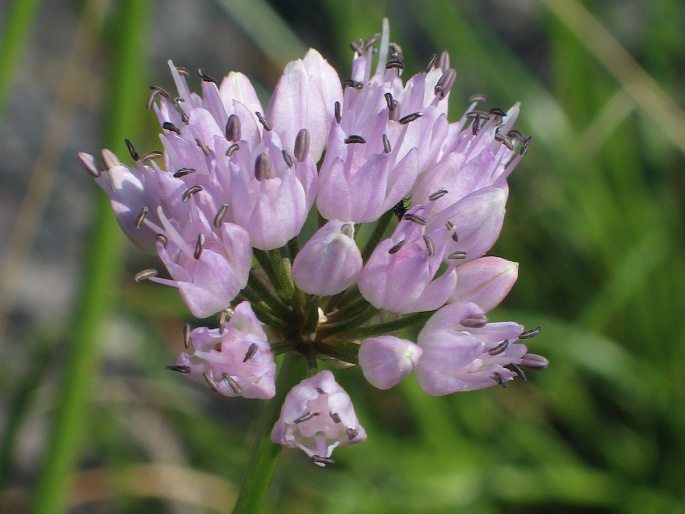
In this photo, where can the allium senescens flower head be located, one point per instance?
(408, 205)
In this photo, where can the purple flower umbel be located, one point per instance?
(408, 205)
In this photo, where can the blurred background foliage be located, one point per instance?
(595, 218)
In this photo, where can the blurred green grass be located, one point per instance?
(594, 217)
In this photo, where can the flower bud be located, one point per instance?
(330, 262)
(387, 360)
(316, 417)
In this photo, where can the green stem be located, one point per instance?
(264, 293)
(100, 274)
(376, 235)
(264, 261)
(312, 311)
(384, 328)
(362, 317)
(264, 457)
(284, 282)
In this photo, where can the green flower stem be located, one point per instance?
(333, 329)
(264, 457)
(293, 248)
(264, 312)
(350, 310)
(261, 290)
(346, 351)
(384, 328)
(284, 282)
(264, 261)
(100, 273)
(312, 310)
(377, 234)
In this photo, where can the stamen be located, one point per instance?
(145, 274)
(530, 334)
(351, 433)
(431, 63)
(141, 217)
(354, 139)
(396, 49)
(516, 369)
(499, 378)
(444, 61)
(445, 83)
(220, 215)
(477, 98)
(534, 362)
(183, 172)
(232, 149)
(184, 118)
(437, 195)
(357, 46)
(396, 248)
(305, 417)
(351, 83)
(287, 158)
(394, 63)
(262, 167)
(526, 144)
(475, 321)
(210, 382)
(186, 336)
(301, 145)
(457, 255)
(371, 41)
(232, 383)
(390, 101)
(335, 417)
(132, 150)
(162, 239)
(109, 159)
(179, 369)
(155, 90)
(233, 128)
(204, 76)
(87, 162)
(496, 111)
(500, 348)
(429, 245)
(515, 134)
(190, 192)
(167, 125)
(415, 218)
(199, 246)
(322, 461)
(338, 116)
(155, 154)
(250, 352)
(386, 144)
(410, 117)
(262, 120)
(205, 149)
(182, 71)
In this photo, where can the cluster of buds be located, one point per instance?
(228, 210)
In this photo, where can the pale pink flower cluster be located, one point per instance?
(237, 181)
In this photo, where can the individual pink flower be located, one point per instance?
(237, 362)
(463, 352)
(208, 267)
(135, 193)
(387, 360)
(400, 275)
(317, 416)
(330, 262)
(485, 281)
